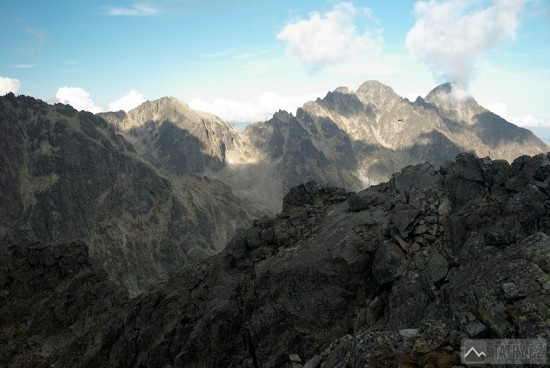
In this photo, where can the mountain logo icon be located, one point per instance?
(473, 352)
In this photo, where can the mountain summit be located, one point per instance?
(348, 138)
(68, 176)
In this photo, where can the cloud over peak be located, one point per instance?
(453, 36)
(331, 36)
(250, 112)
(127, 102)
(8, 85)
(78, 98)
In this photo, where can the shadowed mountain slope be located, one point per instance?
(68, 176)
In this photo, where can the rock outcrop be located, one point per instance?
(69, 176)
(397, 274)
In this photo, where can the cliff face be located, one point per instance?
(388, 132)
(348, 138)
(173, 136)
(398, 273)
(68, 176)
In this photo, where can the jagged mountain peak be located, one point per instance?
(343, 90)
(374, 87)
(283, 115)
(169, 108)
(446, 88)
(168, 102)
(166, 109)
(456, 104)
(449, 93)
(349, 138)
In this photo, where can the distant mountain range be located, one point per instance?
(174, 186)
(349, 139)
(122, 240)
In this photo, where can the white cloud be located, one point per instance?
(453, 36)
(24, 66)
(229, 110)
(78, 98)
(247, 112)
(329, 37)
(135, 10)
(127, 102)
(526, 121)
(529, 121)
(8, 85)
(498, 108)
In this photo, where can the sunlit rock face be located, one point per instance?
(348, 138)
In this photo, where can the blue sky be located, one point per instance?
(244, 59)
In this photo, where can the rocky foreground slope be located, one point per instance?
(395, 275)
(69, 176)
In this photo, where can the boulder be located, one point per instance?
(404, 218)
(387, 263)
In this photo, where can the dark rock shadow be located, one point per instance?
(494, 131)
(178, 149)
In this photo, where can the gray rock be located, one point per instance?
(474, 328)
(409, 333)
(467, 167)
(510, 290)
(445, 207)
(404, 218)
(402, 243)
(415, 247)
(313, 362)
(328, 295)
(363, 200)
(420, 229)
(374, 310)
(437, 267)
(420, 177)
(387, 263)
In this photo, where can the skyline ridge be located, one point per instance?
(243, 60)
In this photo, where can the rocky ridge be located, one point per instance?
(388, 132)
(393, 275)
(178, 138)
(69, 176)
(348, 138)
